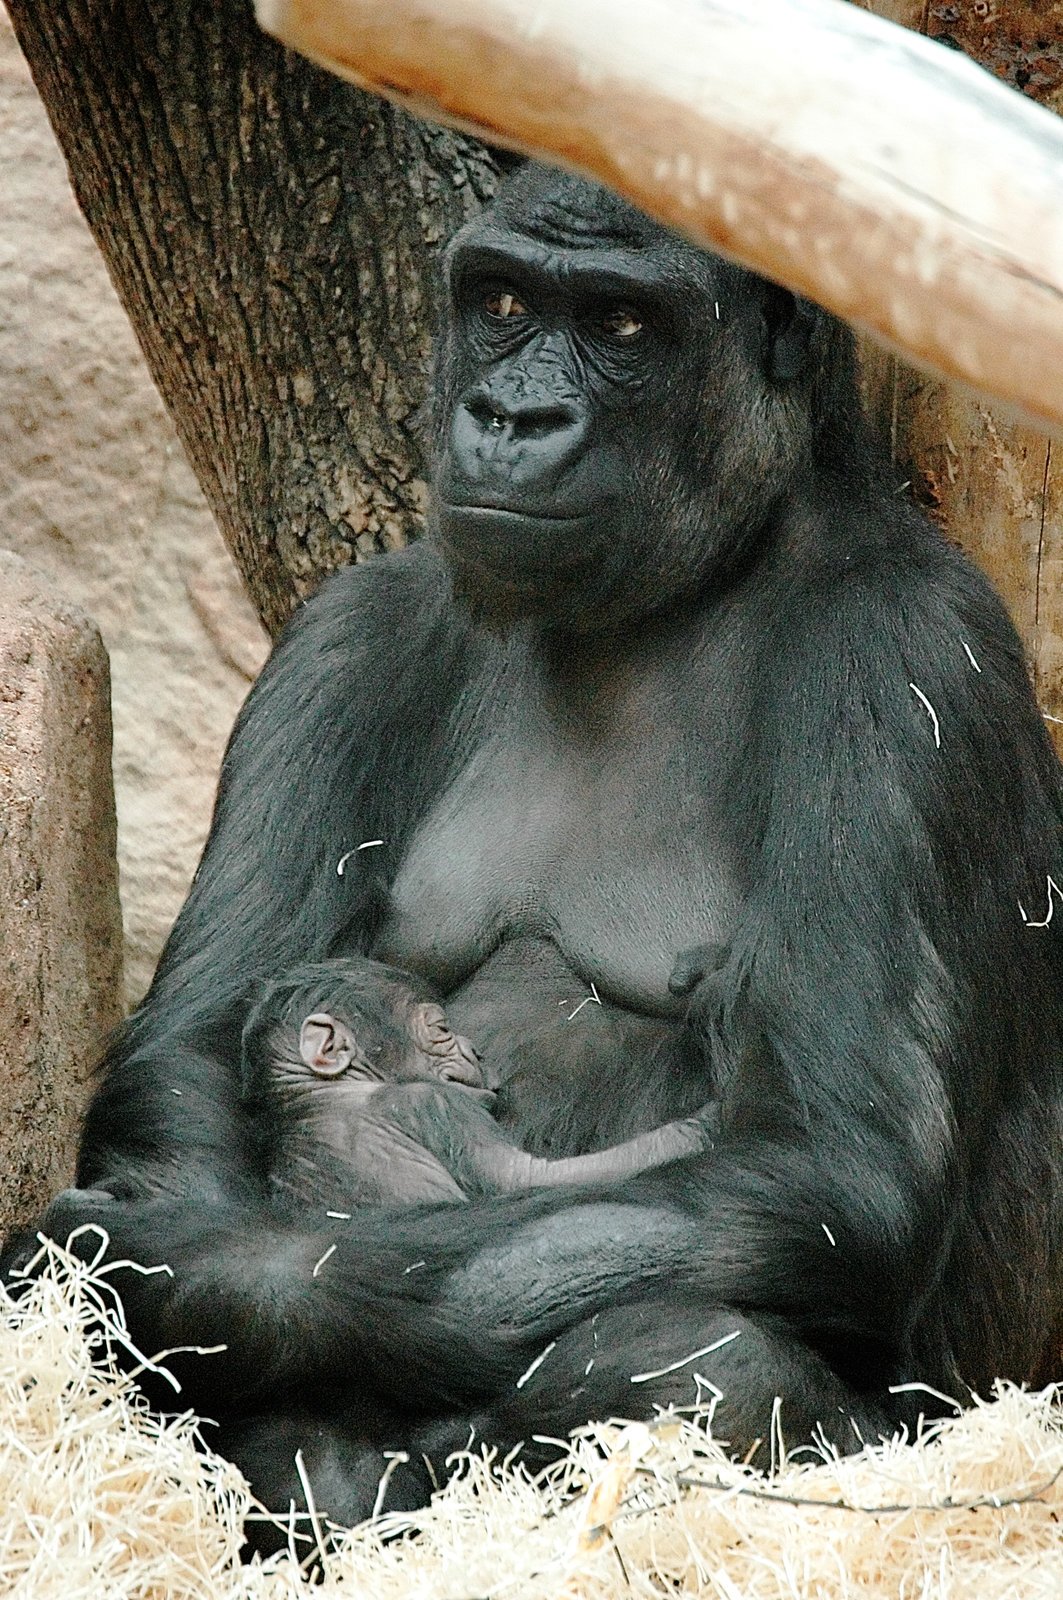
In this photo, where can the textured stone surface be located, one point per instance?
(60, 922)
(95, 491)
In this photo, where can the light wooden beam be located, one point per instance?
(856, 162)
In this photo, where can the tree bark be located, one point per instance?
(994, 484)
(271, 233)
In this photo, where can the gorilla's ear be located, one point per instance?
(327, 1045)
(790, 322)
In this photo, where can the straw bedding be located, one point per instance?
(99, 1500)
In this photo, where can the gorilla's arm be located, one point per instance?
(492, 1164)
(657, 1148)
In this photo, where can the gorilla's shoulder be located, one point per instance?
(394, 601)
(385, 587)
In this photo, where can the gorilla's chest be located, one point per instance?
(601, 827)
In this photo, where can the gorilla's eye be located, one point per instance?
(621, 323)
(504, 303)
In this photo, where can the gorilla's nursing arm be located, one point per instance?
(319, 763)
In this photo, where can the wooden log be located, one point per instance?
(858, 163)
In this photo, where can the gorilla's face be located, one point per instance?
(616, 412)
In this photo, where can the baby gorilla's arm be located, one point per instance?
(454, 1128)
(395, 1160)
(454, 1125)
(501, 1166)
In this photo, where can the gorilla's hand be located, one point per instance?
(73, 1220)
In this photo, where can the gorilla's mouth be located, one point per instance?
(511, 513)
(495, 535)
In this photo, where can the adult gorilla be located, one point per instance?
(683, 709)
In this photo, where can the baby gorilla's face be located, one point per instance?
(416, 1045)
(441, 1053)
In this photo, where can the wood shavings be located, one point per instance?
(930, 711)
(684, 1361)
(320, 1262)
(366, 844)
(594, 998)
(104, 1502)
(536, 1364)
(1053, 888)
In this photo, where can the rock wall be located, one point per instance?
(95, 491)
(60, 925)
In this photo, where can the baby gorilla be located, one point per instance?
(361, 1093)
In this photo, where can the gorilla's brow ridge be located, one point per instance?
(556, 223)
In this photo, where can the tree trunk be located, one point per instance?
(271, 234)
(995, 485)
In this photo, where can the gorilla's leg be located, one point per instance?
(629, 1360)
(624, 1362)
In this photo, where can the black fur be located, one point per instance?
(745, 697)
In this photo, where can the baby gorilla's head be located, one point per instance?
(354, 1019)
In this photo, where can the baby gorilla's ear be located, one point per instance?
(327, 1045)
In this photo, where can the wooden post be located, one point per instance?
(60, 923)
